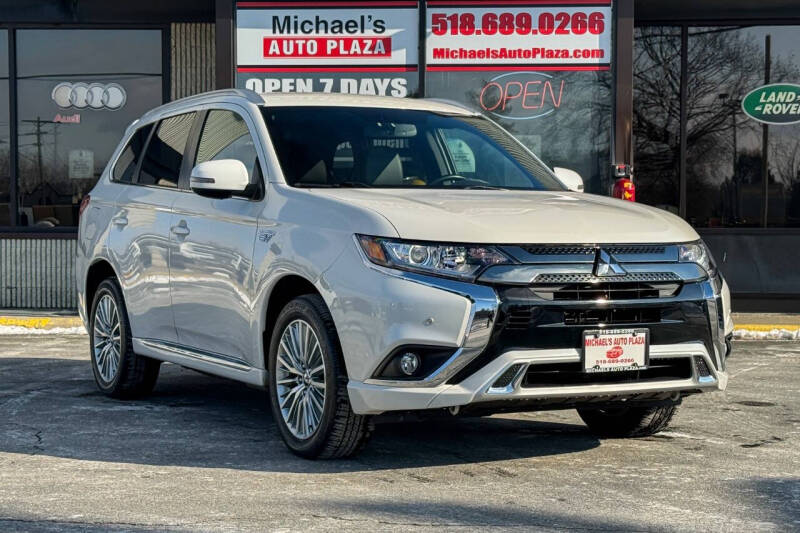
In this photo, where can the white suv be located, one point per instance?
(360, 255)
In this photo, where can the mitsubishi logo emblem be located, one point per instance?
(605, 265)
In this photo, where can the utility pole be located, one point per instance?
(38, 133)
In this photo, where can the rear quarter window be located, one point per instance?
(128, 159)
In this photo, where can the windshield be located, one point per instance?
(397, 148)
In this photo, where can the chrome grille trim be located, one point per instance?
(590, 278)
(585, 253)
(582, 273)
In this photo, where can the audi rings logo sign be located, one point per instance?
(89, 95)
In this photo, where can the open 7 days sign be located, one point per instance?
(366, 47)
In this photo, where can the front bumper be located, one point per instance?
(494, 357)
(370, 398)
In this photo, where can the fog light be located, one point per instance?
(409, 363)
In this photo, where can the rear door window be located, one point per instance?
(128, 160)
(162, 161)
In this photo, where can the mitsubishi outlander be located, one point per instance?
(365, 255)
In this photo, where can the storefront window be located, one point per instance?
(725, 182)
(656, 116)
(77, 92)
(725, 152)
(5, 137)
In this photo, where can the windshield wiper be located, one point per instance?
(484, 188)
(342, 185)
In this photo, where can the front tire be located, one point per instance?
(308, 384)
(628, 421)
(118, 371)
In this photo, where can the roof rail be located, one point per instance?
(453, 103)
(251, 96)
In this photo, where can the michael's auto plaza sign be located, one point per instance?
(366, 47)
(349, 47)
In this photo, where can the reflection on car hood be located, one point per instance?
(506, 217)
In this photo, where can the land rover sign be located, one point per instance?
(778, 103)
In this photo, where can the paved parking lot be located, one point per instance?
(202, 454)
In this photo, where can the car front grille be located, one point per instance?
(566, 374)
(522, 317)
(635, 249)
(591, 278)
(605, 291)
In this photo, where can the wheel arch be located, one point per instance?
(99, 270)
(286, 289)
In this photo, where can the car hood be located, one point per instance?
(506, 217)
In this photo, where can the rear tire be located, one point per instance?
(118, 371)
(628, 421)
(308, 384)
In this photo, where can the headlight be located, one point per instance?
(463, 261)
(697, 252)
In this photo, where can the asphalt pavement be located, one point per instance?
(202, 454)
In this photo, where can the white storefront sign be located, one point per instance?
(270, 35)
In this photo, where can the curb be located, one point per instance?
(784, 332)
(72, 325)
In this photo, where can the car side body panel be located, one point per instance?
(211, 273)
(301, 234)
(94, 232)
(139, 248)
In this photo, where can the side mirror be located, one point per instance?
(571, 179)
(219, 178)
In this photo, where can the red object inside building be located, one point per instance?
(624, 189)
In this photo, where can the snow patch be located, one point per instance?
(20, 330)
(773, 334)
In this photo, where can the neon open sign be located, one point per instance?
(522, 95)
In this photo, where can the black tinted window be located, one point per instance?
(387, 148)
(225, 136)
(162, 161)
(129, 158)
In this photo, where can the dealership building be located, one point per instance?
(697, 101)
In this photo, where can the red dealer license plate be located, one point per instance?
(612, 350)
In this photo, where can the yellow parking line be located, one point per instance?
(766, 327)
(25, 322)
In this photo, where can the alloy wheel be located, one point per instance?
(300, 379)
(107, 341)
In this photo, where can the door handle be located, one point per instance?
(181, 230)
(120, 220)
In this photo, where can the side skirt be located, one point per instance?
(209, 362)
